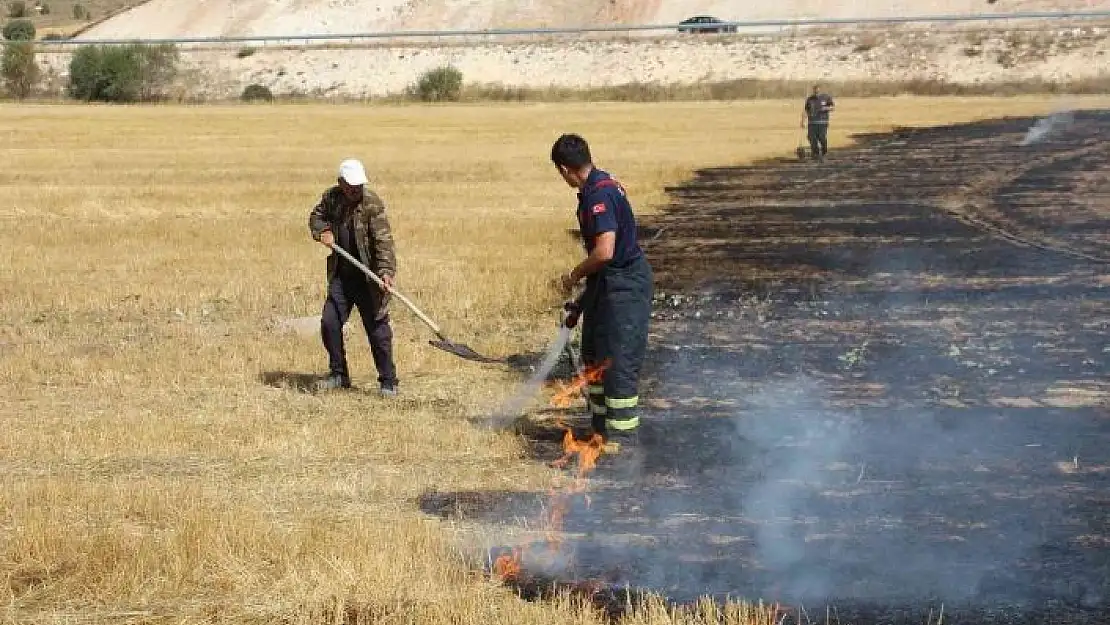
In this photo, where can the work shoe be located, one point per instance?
(621, 442)
(388, 390)
(333, 382)
(621, 433)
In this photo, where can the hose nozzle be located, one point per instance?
(571, 312)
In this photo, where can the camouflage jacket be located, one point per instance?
(373, 235)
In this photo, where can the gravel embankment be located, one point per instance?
(1059, 55)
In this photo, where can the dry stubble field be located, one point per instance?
(147, 470)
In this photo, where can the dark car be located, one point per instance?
(705, 24)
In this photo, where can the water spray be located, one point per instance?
(571, 312)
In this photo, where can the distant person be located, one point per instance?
(816, 118)
(352, 216)
(616, 304)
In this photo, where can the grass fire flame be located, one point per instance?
(565, 393)
(508, 566)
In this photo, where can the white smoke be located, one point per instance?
(515, 405)
(1048, 126)
(805, 437)
(795, 499)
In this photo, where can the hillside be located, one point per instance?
(1061, 53)
(213, 18)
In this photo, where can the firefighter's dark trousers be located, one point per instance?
(345, 293)
(818, 138)
(616, 313)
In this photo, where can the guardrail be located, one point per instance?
(674, 28)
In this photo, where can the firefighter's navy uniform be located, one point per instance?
(616, 305)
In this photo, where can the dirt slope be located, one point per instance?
(169, 18)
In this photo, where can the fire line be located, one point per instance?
(508, 566)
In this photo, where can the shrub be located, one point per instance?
(19, 30)
(17, 9)
(244, 52)
(18, 67)
(54, 37)
(45, 9)
(443, 84)
(80, 12)
(257, 93)
(130, 73)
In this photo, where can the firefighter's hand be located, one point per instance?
(327, 239)
(388, 282)
(567, 282)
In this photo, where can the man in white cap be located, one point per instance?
(352, 216)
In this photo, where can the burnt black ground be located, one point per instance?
(877, 383)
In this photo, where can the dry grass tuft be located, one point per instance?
(148, 473)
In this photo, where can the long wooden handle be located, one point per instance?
(370, 274)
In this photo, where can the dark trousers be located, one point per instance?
(345, 293)
(616, 313)
(818, 139)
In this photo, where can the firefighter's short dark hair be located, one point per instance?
(571, 151)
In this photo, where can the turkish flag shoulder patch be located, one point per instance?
(598, 208)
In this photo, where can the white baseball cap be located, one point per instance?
(352, 172)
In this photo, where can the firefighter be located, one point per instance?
(350, 215)
(815, 116)
(616, 303)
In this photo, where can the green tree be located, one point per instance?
(19, 30)
(128, 73)
(443, 84)
(18, 68)
(80, 12)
